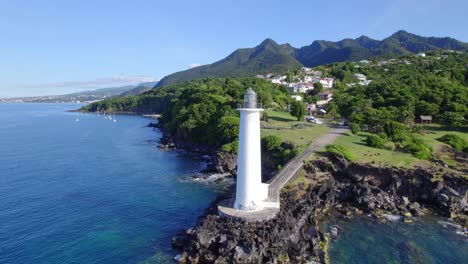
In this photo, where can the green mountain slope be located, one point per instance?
(272, 57)
(266, 57)
(323, 52)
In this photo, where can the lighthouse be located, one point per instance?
(250, 191)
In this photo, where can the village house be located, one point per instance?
(279, 79)
(325, 95)
(325, 98)
(316, 73)
(421, 54)
(305, 69)
(300, 87)
(366, 82)
(360, 77)
(311, 109)
(424, 119)
(327, 82)
(296, 97)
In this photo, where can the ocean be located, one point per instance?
(78, 188)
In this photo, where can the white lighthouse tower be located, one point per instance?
(250, 191)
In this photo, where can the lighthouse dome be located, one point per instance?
(250, 99)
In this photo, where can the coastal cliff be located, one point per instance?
(328, 189)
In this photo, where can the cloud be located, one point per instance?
(118, 80)
(194, 65)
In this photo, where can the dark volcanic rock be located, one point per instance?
(342, 190)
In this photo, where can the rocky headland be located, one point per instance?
(329, 188)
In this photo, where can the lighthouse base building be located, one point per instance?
(251, 201)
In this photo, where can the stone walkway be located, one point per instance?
(290, 169)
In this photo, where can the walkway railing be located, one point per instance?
(294, 165)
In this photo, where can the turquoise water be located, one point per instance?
(78, 188)
(426, 241)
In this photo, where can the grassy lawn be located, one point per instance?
(430, 136)
(301, 137)
(433, 132)
(364, 154)
(382, 157)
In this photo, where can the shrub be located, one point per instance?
(272, 143)
(340, 150)
(418, 129)
(395, 131)
(375, 141)
(455, 141)
(230, 147)
(383, 136)
(390, 146)
(417, 147)
(354, 128)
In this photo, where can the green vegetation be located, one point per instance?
(404, 90)
(271, 57)
(298, 110)
(199, 111)
(354, 128)
(340, 150)
(266, 57)
(382, 114)
(324, 52)
(282, 151)
(457, 142)
(356, 144)
(375, 141)
(286, 127)
(402, 139)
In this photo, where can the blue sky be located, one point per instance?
(56, 47)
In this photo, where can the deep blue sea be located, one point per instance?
(78, 188)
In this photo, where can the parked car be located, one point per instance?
(317, 121)
(346, 123)
(309, 118)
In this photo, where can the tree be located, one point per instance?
(318, 86)
(289, 77)
(298, 110)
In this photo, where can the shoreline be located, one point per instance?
(340, 191)
(196, 244)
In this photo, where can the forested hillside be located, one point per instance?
(404, 89)
(201, 111)
(269, 56)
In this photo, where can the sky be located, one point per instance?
(58, 47)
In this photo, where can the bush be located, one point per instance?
(340, 150)
(455, 141)
(418, 129)
(383, 136)
(271, 143)
(375, 141)
(230, 147)
(354, 128)
(395, 131)
(418, 148)
(390, 146)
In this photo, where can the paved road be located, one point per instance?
(288, 171)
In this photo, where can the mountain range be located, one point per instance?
(86, 96)
(270, 56)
